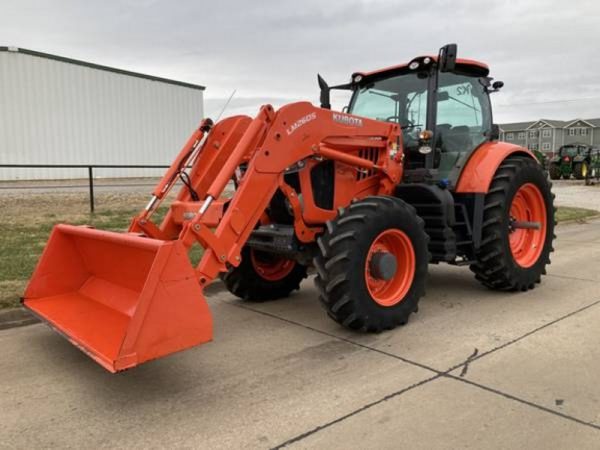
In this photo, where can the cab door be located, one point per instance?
(463, 120)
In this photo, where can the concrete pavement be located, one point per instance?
(473, 369)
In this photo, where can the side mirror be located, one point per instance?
(495, 132)
(442, 96)
(324, 98)
(447, 57)
(496, 86)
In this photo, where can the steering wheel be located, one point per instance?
(409, 123)
(393, 119)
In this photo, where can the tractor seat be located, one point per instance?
(455, 139)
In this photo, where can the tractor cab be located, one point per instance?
(568, 152)
(441, 104)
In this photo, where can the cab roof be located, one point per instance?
(469, 66)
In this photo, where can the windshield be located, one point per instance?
(401, 99)
(570, 150)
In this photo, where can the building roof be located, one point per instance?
(595, 122)
(556, 123)
(522, 126)
(516, 126)
(100, 67)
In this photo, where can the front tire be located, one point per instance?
(263, 276)
(372, 264)
(514, 259)
(555, 172)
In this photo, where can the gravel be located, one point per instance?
(576, 193)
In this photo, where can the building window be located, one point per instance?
(533, 134)
(546, 146)
(571, 131)
(521, 136)
(546, 133)
(510, 136)
(533, 146)
(583, 131)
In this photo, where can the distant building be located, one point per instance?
(549, 135)
(58, 111)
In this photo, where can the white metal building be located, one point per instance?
(56, 110)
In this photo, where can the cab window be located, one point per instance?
(463, 113)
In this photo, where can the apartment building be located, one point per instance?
(549, 135)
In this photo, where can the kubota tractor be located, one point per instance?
(411, 174)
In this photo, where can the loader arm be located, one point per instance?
(273, 142)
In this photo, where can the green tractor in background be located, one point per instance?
(542, 159)
(571, 159)
(593, 176)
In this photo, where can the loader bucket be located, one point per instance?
(121, 298)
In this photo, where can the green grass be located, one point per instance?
(567, 213)
(22, 244)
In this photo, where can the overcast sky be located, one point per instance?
(546, 51)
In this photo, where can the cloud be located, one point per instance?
(270, 51)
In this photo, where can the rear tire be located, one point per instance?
(263, 276)
(349, 291)
(500, 265)
(580, 170)
(554, 172)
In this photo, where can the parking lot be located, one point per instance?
(473, 369)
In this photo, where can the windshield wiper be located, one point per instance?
(390, 96)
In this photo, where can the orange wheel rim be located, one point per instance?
(389, 292)
(271, 267)
(526, 244)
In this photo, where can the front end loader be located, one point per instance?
(411, 174)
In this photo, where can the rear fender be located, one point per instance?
(477, 174)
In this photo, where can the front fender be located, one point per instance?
(477, 174)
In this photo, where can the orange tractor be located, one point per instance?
(411, 173)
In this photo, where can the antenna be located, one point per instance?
(226, 105)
